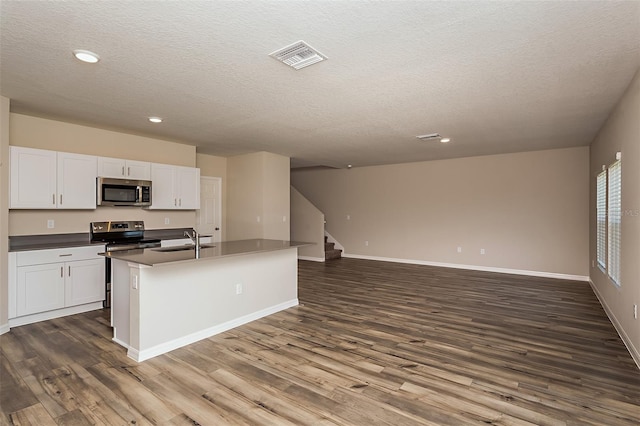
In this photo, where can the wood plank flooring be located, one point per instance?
(371, 343)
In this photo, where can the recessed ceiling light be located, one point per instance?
(86, 56)
(349, 166)
(445, 140)
(155, 119)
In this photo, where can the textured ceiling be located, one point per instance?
(495, 77)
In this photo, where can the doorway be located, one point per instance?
(209, 216)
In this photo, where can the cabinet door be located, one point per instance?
(84, 282)
(39, 288)
(162, 187)
(76, 181)
(188, 188)
(111, 167)
(140, 170)
(33, 178)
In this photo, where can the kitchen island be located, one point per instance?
(168, 297)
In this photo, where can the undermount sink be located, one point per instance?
(181, 248)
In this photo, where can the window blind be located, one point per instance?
(614, 221)
(601, 219)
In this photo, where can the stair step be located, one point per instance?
(332, 254)
(329, 246)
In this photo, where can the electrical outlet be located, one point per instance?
(366, 243)
(482, 251)
(258, 219)
(239, 288)
(51, 224)
(284, 218)
(459, 249)
(348, 217)
(166, 221)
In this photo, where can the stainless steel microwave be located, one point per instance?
(123, 192)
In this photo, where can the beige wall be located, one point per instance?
(35, 132)
(276, 196)
(244, 200)
(213, 166)
(258, 196)
(528, 211)
(4, 212)
(621, 133)
(307, 224)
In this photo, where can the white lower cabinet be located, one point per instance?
(46, 284)
(39, 288)
(84, 282)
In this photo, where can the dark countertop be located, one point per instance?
(166, 255)
(53, 241)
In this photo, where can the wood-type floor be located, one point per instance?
(371, 343)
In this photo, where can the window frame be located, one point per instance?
(614, 221)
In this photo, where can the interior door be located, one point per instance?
(209, 216)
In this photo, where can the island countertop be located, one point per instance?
(164, 255)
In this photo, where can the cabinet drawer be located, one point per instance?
(38, 257)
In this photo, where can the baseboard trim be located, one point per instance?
(4, 328)
(146, 354)
(473, 267)
(312, 259)
(635, 353)
(43, 316)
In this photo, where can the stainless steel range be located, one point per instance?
(119, 235)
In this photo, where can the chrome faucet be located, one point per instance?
(195, 238)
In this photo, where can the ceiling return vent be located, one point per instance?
(298, 55)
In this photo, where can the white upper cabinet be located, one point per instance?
(162, 191)
(33, 178)
(174, 187)
(125, 169)
(76, 181)
(188, 187)
(42, 179)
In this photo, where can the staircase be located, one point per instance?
(330, 252)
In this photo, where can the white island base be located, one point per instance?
(158, 308)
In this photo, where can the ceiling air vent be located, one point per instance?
(429, 136)
(298, 55)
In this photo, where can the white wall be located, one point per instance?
(528, 211)
(621, 133)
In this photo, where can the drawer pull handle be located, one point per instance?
(61, 272)
(53, 199)
(65, 255)
(69, 270)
